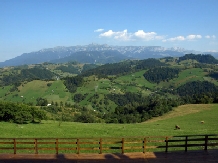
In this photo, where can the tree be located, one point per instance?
(23, 116)
(41, 101)
(37, 114)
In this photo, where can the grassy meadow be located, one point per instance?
(188, 117)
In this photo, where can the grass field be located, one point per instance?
(188, 117)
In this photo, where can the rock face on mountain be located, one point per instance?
(94, 53)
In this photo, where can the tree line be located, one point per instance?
(20, 113)
(27, 75)
(202, 58)
(156, 75)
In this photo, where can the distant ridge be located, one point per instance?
(95, 53)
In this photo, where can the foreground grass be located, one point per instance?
(188, 117)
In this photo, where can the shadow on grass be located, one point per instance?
(151, 157)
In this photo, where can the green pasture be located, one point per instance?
(188, 117)
(30, 91)
(4, 91)
(193, 74)
(136, 77)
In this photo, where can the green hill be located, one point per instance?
(125, 92)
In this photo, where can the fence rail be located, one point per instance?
(108, 145)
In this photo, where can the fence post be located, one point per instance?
(186, 143)
(144, 146)
(206, 142)
(56, 147)
(78, 148)
(15, 146)
(122, 145)
(166, 150)
(36, 146)
(100, 145)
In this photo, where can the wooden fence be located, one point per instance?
(108, 145)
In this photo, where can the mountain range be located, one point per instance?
(95, 53)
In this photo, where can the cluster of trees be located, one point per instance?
(41, 101)
(87, 67)
(79, 97)
(72, 83)
(20, 113)
(110, 69)
(124, 99)
(135, 112)
(214, 75)
(69, 68)
(156, 75)
(196, 92)
(202, 58)
(148, 63)
(123, 68)
(27, 75)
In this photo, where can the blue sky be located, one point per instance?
(31, 25)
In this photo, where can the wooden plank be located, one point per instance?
(3, 148)
(155, 141)
(6, 142)
(212, 138)
(89, 148)
(25, 148)
(136, 142)
(46, 148)
(46, 142)
(117, 142)
(166, 149)
(78, 146)
(144, 145)
(122, 150)
(88, 143)
(65, 148)
(152, 147)
(36, 147)
(56, 146)
(134, 147)
(205, 142)
(186, 143)
(15, 146)
(25, 142)
(66, 142)
(212, 144)
(115, 147)
(100, 145)
(176, 141)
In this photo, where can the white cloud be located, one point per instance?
(193, 37)
(208, 36)
(211, 51)
(99, 30)
(120, 35)
(125, 36)
(107, 34)
(182, 38)
(178, 38)
(141, 35)
(147, 35)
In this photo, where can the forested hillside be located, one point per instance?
(126, 92)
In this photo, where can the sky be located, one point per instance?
(32, 25)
